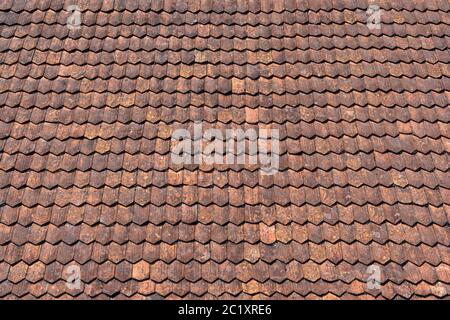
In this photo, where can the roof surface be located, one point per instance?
(86, 177)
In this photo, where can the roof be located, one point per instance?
(90, 98)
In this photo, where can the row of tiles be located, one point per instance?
(288, 49)
(408, 119)
(156, 162)
(227, 272)
(198, 101)
(228, 6)
(301, 137)
(250, 233)
(236, 86)
(227, 196)
(149, 290)
(159, 122)
(311, 179)
(410, 215)
(249, 73)
(152, 18)
(146, 139)
(234, 256)
(224, 32)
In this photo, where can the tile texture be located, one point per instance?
(85, 136)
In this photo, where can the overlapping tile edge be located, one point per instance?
(86, 181)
